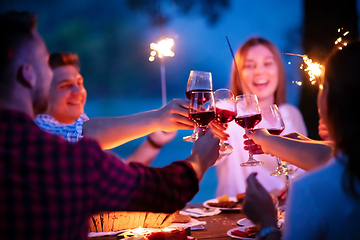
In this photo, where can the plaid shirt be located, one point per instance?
(70, 132)
(49, 188)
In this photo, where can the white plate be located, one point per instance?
(244, 222)
(234, 236)
(205, 204)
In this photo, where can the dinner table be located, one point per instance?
(216, 226)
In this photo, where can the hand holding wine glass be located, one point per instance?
(199, 81)
(248, 116)
(225, 113)
(273, 122)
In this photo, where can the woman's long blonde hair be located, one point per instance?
(280, 92)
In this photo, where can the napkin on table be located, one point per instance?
(193, 224)
(200, 212)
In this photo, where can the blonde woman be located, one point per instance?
(261, 72)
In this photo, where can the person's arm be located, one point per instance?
(259, 208)
(111, 132)
(204, 153)
(151, 147)
(301, 152)
(135, 187)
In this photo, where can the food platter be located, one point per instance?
(215, 200)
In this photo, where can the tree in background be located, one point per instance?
(210, 9)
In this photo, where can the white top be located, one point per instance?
(319, 208)
(232, 177)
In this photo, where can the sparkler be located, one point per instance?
(232, 53)
(340, 40)
(163, 49)
(314, 69)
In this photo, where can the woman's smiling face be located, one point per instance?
(260, 73)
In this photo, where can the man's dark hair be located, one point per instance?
(16, 30)
(64, 58)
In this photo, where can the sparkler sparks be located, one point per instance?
(314, 69)
(163, 48)
(340, 39)
(299, 83)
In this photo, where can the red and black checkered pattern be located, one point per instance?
(49, 187)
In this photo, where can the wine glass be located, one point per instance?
(248, 116)
(202, 108)
(199, 81)
(273, 122)
(224, 113)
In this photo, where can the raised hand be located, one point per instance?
(258, 205)
(255, 141)
(219, 130)
(175, 116)
(204, 153)
(161, 137)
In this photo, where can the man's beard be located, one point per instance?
(41, 102)
(40, 106)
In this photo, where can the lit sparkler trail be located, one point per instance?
(163, 49)
(314, 69)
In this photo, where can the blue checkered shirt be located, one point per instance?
(70, 132)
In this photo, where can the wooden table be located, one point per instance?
(216, 226)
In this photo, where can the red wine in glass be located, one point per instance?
(224, 116)
(225, 111)
(188, 92)
(274, 131)
(248, 121)
(202, 118)
(248, 115)
(201, 81)
(274, 123)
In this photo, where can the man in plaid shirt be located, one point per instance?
(48, 187)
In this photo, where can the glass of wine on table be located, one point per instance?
(273, 122)
(202, 108)
(248, 115)
(225, 113)
(200, 82)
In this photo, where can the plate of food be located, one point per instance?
(225, 202)
(244, 222)
(243, 232)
